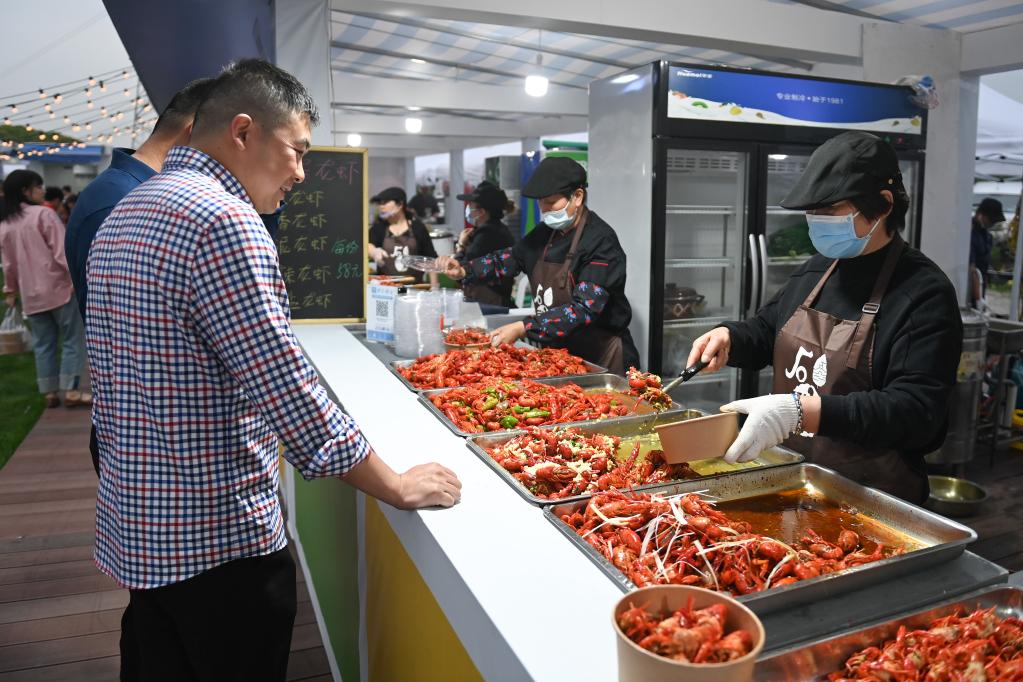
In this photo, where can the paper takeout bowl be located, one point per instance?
(636, 664)
(700, 438)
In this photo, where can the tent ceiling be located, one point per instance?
(955, 15)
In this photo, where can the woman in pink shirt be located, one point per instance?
(32, 249)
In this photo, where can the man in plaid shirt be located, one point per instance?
(196, 375)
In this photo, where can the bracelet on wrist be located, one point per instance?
(799, 409)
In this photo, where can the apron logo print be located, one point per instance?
(399, 256)
(543, 300)
(820, 371)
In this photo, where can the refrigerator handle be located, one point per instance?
(755, 272)
(763, 269)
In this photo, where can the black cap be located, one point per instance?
(487, 196)
(390, 194)
(848, 165)
(992, 208)
(554, 175)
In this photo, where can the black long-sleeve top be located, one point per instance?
(598, 274)
(917, 343)
(484, 239)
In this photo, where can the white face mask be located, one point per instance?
(468, 215)
(559, 219)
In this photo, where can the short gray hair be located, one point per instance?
(255, 87)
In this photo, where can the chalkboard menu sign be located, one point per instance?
(322, 237)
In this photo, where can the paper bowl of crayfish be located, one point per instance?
(680, 632)
(466, 338)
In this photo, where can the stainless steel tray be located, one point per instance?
(624, 427)
(588, 382)
(813, 662)
(394, 365)
(941, 538)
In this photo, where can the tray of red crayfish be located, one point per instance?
(559, 464)
(466, 367)
(773, 537)
(496, 405)
(978, 636)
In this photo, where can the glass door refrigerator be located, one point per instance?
(689, 165)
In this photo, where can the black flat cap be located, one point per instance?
(554, 175)
(992, 208)
(848, 165)
(487, 195)
(390, 194)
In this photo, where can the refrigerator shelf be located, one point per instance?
(789, 260)
(696, 209)
(699, 263)
(696, 322)
(778, 210)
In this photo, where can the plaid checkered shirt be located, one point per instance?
(195, 369)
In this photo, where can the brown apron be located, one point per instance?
(820, 354)
(397, 248)
(552, 285)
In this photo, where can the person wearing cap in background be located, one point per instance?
(989, 213)
(576, 270)
(397, 234)
(485, 234)
(864, 338)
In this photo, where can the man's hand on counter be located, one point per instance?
(424, 485)
(711, 348)
(452, 268)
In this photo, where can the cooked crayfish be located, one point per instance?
(978, 646)
(684, 539)
(466, 367)
(692, 636)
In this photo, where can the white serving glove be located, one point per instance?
(772, 418)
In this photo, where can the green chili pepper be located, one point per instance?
(489, 403)
(509, 422)
(536, 413)
(518, 409)
(490, 391)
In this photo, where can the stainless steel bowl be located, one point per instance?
(955, 496)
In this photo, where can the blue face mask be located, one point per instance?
(557, 220)
(834, 236)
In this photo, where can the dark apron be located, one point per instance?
(397, 247)
(552, 285)
(820, 354)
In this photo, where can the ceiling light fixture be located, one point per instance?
(354, 140)
(625, 78)
(416, 60)
(536, 83)
(413, 125)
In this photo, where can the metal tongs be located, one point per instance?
(687, 374)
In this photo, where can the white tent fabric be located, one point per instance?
(999, 133)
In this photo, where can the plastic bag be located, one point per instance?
(13, 328)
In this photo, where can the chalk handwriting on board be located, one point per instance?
(321, 237)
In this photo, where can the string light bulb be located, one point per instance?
(120, 115)
(53, 115)
(29, 128)
(88, 126)
(42, 136)
(57, 98)
(92, 81)
(127, 93)
(14, 108)
(47, 108)
(7, 121)
(90, 104)
(124, 74)
(88, 92)
(75, 128)
(102, 86)
(42, 95)
(67, 120)
(102, 111)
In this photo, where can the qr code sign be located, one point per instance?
(380, 313)
(383, 308)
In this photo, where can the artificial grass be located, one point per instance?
(20, 402)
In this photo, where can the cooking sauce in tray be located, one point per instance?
(703, 467)
(787, 515)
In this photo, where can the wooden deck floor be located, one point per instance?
(59, 616)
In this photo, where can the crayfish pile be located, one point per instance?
(646, 386)
(495, 405)
(465, 367)
(559, 463)
(980, 646)
(691, 636)
(466, 336)
(683, 539)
